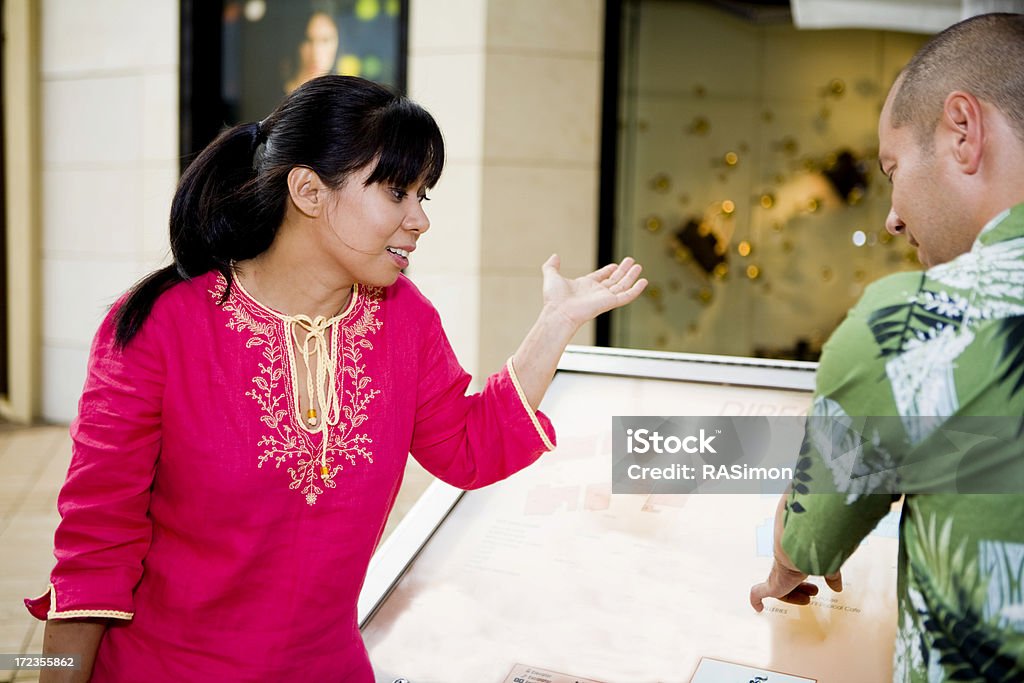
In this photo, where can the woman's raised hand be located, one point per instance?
(568, 304)
(584, 298)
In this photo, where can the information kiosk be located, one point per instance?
(549, 578)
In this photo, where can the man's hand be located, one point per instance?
(787, 584)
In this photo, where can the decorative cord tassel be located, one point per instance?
(318, 380)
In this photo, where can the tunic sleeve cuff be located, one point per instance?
(46, 607)
(536, 418)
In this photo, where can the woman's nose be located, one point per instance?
(417, 220)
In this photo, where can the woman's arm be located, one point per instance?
(473, 441)
(568, 304)
(72, 637)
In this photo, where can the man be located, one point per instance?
(928, 348)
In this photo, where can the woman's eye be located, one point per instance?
(398, 194)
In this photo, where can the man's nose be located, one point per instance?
(893, 223)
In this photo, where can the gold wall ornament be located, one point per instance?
(787, 145)
(699, 126)
(767, 200)
(814, 205)
(721, 271)
(777, 226)
(753, 272)
(728, 207)
(731, 158)
(661, 183)
(743, 248)
(652, 223)
(653, 292)
(836, 87)
(705, 295)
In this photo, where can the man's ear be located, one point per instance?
(308, 193)
(963, 121)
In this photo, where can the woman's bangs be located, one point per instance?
(411, 149)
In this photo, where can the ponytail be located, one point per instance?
(218, 216)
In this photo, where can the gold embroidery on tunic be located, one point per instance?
(286, 444)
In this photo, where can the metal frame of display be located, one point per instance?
(400, 549)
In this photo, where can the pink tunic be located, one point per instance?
(196, 513)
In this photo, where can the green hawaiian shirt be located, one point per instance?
(925, 350)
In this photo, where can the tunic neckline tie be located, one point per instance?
(321, 369)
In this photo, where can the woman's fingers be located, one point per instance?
(554, 262)
(619, 272)
(628, 278)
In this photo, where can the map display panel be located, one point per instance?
(549, 570)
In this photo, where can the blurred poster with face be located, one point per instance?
(271, 47)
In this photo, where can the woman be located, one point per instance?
(317, 51)
(248, 410)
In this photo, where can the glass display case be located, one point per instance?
(548, 577)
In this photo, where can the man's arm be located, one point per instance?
(786, 582)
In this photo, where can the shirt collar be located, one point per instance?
(1008, 225)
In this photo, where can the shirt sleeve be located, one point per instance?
(105, 532)
(472, 441)
(843, 479)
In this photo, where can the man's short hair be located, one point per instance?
(983, 56)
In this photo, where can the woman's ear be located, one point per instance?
(308, 193)
(963, 121)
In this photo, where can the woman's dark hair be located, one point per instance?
(231, 200)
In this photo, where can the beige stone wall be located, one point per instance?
(109, 130)
(516, 87)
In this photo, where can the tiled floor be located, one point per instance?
(33, 462)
